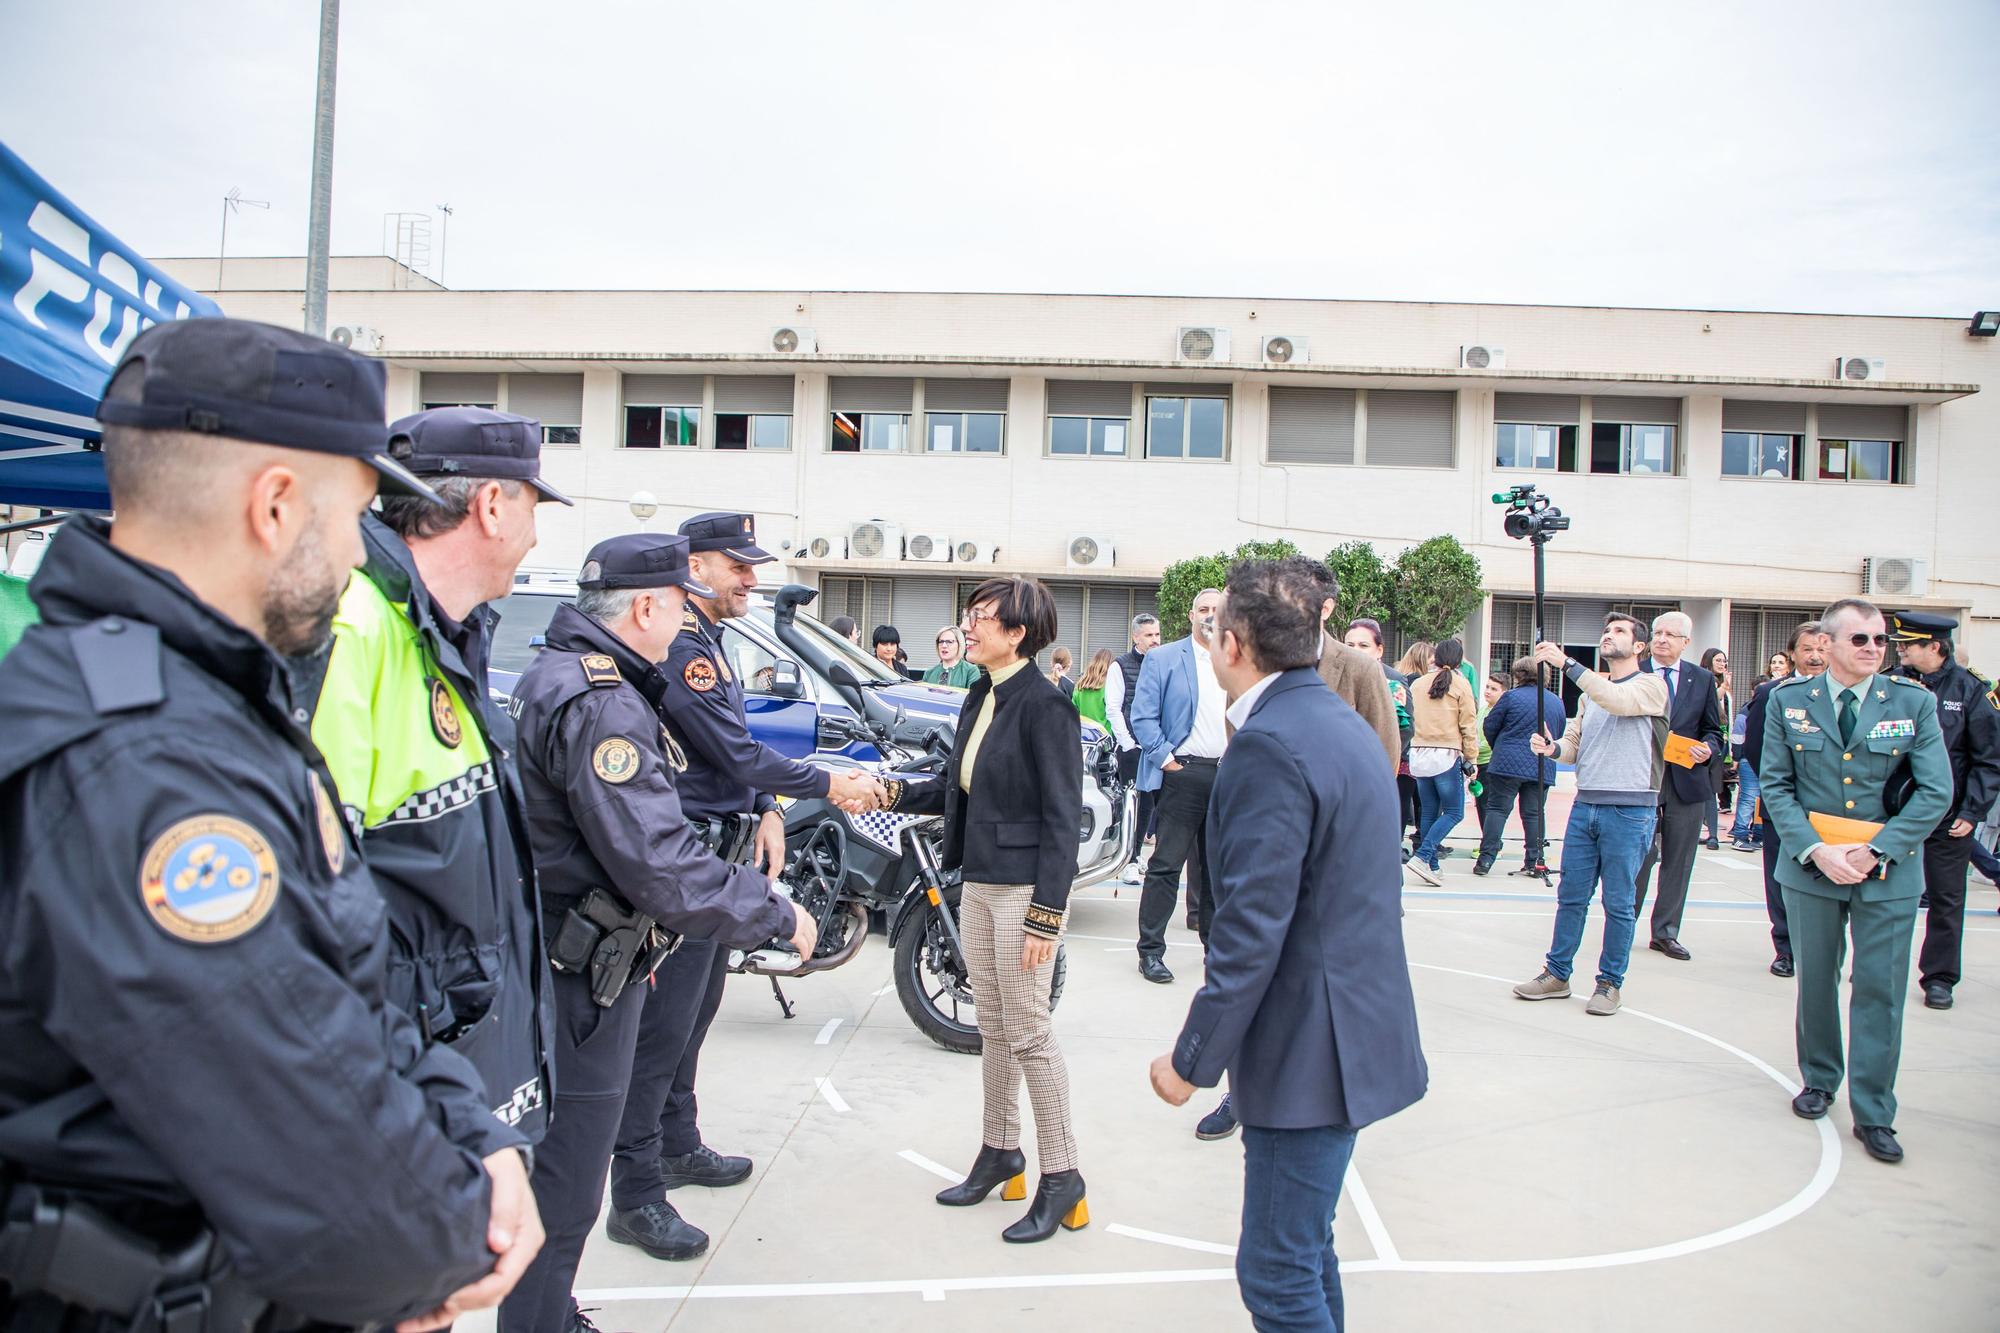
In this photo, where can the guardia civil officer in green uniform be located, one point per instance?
(621, 874)
(1969, 716)
(1853, 745)
(421, 757)
(195, 1039)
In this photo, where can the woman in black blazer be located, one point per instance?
(1012, 802)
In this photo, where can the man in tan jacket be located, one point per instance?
(1351, 674)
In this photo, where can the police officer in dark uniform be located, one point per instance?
(195, 1040)
(621, 874)
(1969, 716)
(729, 773)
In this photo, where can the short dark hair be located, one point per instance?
(887, 634)
(1272, 607)
(1641, 631)
(1812, 627)
(414, 518)
(1524, 670)
(1023, 604)
(1374, 628)
(842, 625)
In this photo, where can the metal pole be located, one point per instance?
(222, 246)
(319, 228)
(1538, 852)
(444, 239)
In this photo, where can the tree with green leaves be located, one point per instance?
(1184, 579)
(1367, 592)
(1436, 585)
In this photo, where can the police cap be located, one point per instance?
(641, 560)
(472, 442)
(241, 380)
(1919, 627)
(735, 535)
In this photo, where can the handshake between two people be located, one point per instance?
(856, 792)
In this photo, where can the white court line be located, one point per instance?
(1178, 1242)
(832, 1095)
(926, 1286)
(1757, 865)
(885, 990)
(1371, 1221)
(826, 1033)
(915, 1158)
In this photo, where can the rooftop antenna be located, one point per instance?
(444, 235)
(231, 203)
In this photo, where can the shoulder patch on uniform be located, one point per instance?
(444, 716)
(699, 674)
(119, 661)
(690, 618)
(332, 829)
(209, 879)
(599, 669)
(1905, 680)
(615, 760)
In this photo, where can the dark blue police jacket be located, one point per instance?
(1307, 1004)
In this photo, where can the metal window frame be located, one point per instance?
(1049, 433)
(958, 449)
(1187, 426)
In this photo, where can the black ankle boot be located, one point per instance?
(992, 1167)
(1058, 1202)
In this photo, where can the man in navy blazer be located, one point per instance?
(1177, 718)
(1307, 1004)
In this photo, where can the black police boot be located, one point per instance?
(993, 1166)
(1058, 1202)
(658, 1230)
(1483, 866)
(704, 1166)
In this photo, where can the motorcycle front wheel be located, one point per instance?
(931, 983)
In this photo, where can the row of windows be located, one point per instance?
(1783, 458)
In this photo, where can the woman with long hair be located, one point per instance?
(1060, 663)
(1414, 662)
(1444, 749)
(1089, 696)
(1721, 764)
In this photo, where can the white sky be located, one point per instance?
(1825, 156)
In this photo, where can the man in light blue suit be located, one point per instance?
(1307, 1004)
(1177, 718)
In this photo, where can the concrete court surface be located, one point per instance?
(1632, 1173)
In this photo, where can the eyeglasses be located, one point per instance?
(1863, 640)
(974, 617)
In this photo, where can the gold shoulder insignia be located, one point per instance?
(1905, 680)
(599, 669)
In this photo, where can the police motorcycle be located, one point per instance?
(848, 870)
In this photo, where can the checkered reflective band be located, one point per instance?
(526, 1098)
(462, 790)
(883, 828)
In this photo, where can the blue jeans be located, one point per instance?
(1285, 1265)
(1747, 788)
(1440, 805)
(1604, 843)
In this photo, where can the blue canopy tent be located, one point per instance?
(72, 298)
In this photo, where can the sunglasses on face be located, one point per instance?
(1863, 640)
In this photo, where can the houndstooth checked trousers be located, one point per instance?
(1016, 1033)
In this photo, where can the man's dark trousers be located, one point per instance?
(593, 1063)
(1774, 898)
(1673, 849)
(1945, 862)
(1285, 1265)
(1183, 831)
(686, 992)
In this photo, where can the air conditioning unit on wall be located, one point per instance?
(975, 553)
(1895, 576)
(1285, 349)
(818, 546)
(875, 540)
(1859, 368)
(931, 546)
(1201, 343)
(1088, 552)
(356, 337)
(790, 338)
(1479, 356)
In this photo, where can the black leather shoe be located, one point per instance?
(1058, 1202)
(1152, 969)
(1811, 1103)
(1781, 967)
(1483, 866)
(1672, 948)
(659, 1231)
(1713, 844)
(994, 1166)
(704, 1166)
(1217, 1124)
(1937, 995)
(1880, 1141)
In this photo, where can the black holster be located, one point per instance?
(609, 943)
(66, 1265)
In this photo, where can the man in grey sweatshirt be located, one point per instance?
(1616, 740)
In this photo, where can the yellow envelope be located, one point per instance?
(1840, 831)
(1680, 750)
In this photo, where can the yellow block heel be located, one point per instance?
(1078, 1217)
(1016, 1189)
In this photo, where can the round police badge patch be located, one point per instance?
(616, 760)
(444, 717)
(332, 833)
(209, 879)
(699, 674)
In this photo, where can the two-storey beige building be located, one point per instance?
(1745, 467)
